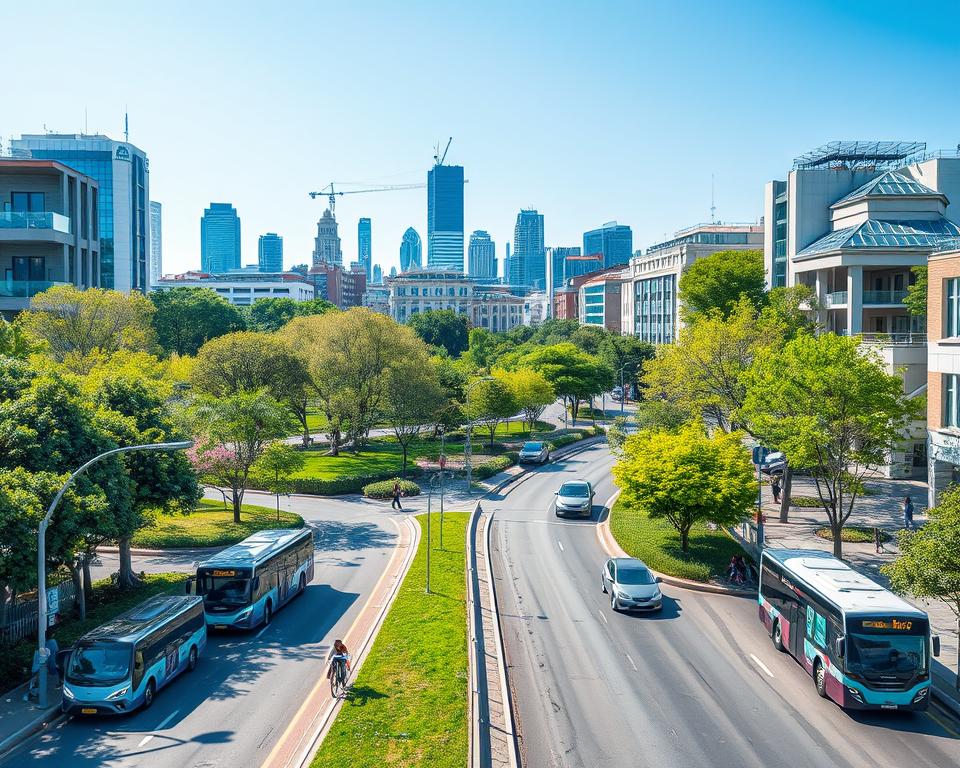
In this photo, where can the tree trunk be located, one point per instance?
(835, 528)
(76, 575)
(237, 501)
(785, 493)
(403, 471)
(685, 539)
(87, 579)
(126, 577)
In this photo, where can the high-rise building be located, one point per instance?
(507, 264)
(614, 241)
(156, 242)
(481, 256)
(555, 261)
(528, 265)
(326, 248)
(270, 253)
(411, 251)
(377, 274)
(121, 171)
(393, 271)
(364, 246)
(219, 239)
(445, 217)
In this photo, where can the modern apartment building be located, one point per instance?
(445, 217)
(649, 303)
(411, 251)
(599, 299)
(377, 298)
(49, 230)
(326, 245)
(122, 174)
(528, 263)
(270, 252)
(365, 246)
(567, 299)
(244, 288)
(614, 241)
(219, 239)
(481, 256)
(156, 242)
(343, 287)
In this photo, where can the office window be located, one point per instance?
(952, 325)
(951, 403)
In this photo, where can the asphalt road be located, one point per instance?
(700, 684)
(248, 686)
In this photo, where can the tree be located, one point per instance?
(626, 354)
(14, 342)
(75, 323)
(929, 562)
(442, 328)
(414, 398)
(271, 314)
(832, 408)
(687, 477)
(278, 462)
(916, 299)
(532, 393)
(575, 375)
(719, 281)
(233, 432)
(660, 415)
(186, 318)
(490, 402)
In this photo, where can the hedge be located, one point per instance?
(490, 467)
(332, 487)
(384, 488)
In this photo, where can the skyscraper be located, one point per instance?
(411, 251)
(507, 265)
(326, 245)
(556, 265)
(614, 241)
(219, 239)
(445, 217)
(270, 253)
(365, 246)
(122, 172)
(528, 265)
(481, 256)
(377, 274)
(156, 242)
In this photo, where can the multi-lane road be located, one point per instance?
(697, 685)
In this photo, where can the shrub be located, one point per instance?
(811, 502)
(565, 440)
(490, 467)
(853, 534)
(333, 486)
(383, 489)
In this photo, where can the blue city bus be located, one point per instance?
(121, 665)
(244, 585)
(865, 647)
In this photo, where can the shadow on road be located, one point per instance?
(671, 610)
(906, 722)
(331, 535)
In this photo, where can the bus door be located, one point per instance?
(795, 615)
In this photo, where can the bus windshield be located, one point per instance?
(225, 590)
(885, 656)
(99, 664)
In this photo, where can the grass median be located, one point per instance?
(408, 704)
(657, 543)
(210, 525)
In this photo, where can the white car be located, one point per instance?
(575, 498)
(535, 453)
(631, 585)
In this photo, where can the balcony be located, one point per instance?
(24, 289)
(34, 220)
(891, 298)
(835, 299)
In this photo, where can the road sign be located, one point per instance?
(760, 454)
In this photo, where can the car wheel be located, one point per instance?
(613, 601)
(820, 678)
(148, 694)
(192, 659)
(603, 584)
(778, 636)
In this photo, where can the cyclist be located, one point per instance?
(338, 655)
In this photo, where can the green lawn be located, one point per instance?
(657, 543)
(104, 602)
(408, 705)
(210, 525)
(377, 457)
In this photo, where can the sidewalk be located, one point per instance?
(883, 509)
(18, 719)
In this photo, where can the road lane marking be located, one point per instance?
(631, 663)
(163, 723)
(560, 544)
(761, 665)
(266, 627)
(602, 616)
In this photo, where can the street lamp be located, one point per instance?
(466, 448)
(42, 554)
(623, 394)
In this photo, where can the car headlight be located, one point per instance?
(119, 693)
(623, 595)
(67, 692)
(244, 613)
(657, 595)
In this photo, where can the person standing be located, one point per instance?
(908, 512)
(775, 487)
(395, 504)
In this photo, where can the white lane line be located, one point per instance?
(146, 739)
(560, 544)
(631, 663)
(602, 616)
(261, 631)
(761, 665)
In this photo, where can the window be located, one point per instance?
(951, 402)
(952, 325)
(24, 202)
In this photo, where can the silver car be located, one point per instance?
(631, 585)
(535, 453)
(575, 498)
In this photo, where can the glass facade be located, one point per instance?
(156, 241)
(481, 256)
(655, 309)
(528, 266)
(594, 297)
(951, 326)
(445, 216)
(951, 400)
(614, 241)
(365, 246)
(780, 214)
(270, 253)
(411, 250)
(219, 239)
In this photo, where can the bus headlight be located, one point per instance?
(67, 693)
(244, 614)
(117, 694)
(921, 695)
(855, 693)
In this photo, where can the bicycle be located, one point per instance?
(338, 680)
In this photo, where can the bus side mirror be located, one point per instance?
(188, 587)
(840, 647)
(936, 644)
(256, 583)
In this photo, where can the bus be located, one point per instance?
(244, 585)
(120, 666)
(865, 647)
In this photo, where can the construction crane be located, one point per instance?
(437, 157)
(332, 193)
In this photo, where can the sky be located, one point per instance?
(589, 112)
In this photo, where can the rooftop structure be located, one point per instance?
(859, 155)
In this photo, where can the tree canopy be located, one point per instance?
(717, 283)
(916, 299)
(574, 374)
(442, 328)
(188, 317)
(271, 314)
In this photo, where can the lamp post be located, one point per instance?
(42, 554)
(623, 393)
(466, 447)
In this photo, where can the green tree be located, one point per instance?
(832, 408)
(626, 354)
(575, 375)
(414, 398)
(916, 299)
(687, 477)
(14, 341)
(490, 402)
(442, 328)
(720, 280)
(186, 318)
(660, 415)
(277, 463)
(532, 393)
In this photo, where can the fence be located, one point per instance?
(19, 620)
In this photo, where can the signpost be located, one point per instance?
(759, 456)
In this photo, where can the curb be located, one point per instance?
(950, 705)
(43, 720)
(171, 551)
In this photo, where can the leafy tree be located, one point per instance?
(833, 409)
(491, 401)
(484, 347)
(14, 341)
(784, 309)
(720, 280)
(75, 323)
(626, 354)
(186, 318)
(414, 398)
(278, 462)
(660, 415)
(532, 393)
(453, 376)
(315, 307)
(271, 314)
(575, 375)
(442, 328)
(687, 477)
(916, 299)
(617, 435)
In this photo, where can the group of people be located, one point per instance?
(737, 570)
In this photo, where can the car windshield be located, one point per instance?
(99, 664)
(226, 590)
(630, 575)
(533, 446)
(881, 656)
(577, 490)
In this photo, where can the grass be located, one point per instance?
(408, 704)
(210, 525)
(657, 543)
(810, 502)
(375, 458)
(853, 534)
(103, 603)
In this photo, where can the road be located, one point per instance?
(247, 687)
(698, 685)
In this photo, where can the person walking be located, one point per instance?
(775, 487)
(878, 540)
(908, 512)
(395, 504)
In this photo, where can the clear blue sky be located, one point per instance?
(587, 111)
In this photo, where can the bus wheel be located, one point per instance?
(192, 660)
(820, 678)
(777, 636)
(148, 695)
(303, 583)
(267, 613)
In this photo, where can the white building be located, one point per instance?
(244, 288)
(156, 241)
(377, 298)
(536, 308)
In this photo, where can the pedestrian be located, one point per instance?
(775, 487)
(878, 540)
(908, 512)
(395, 504)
